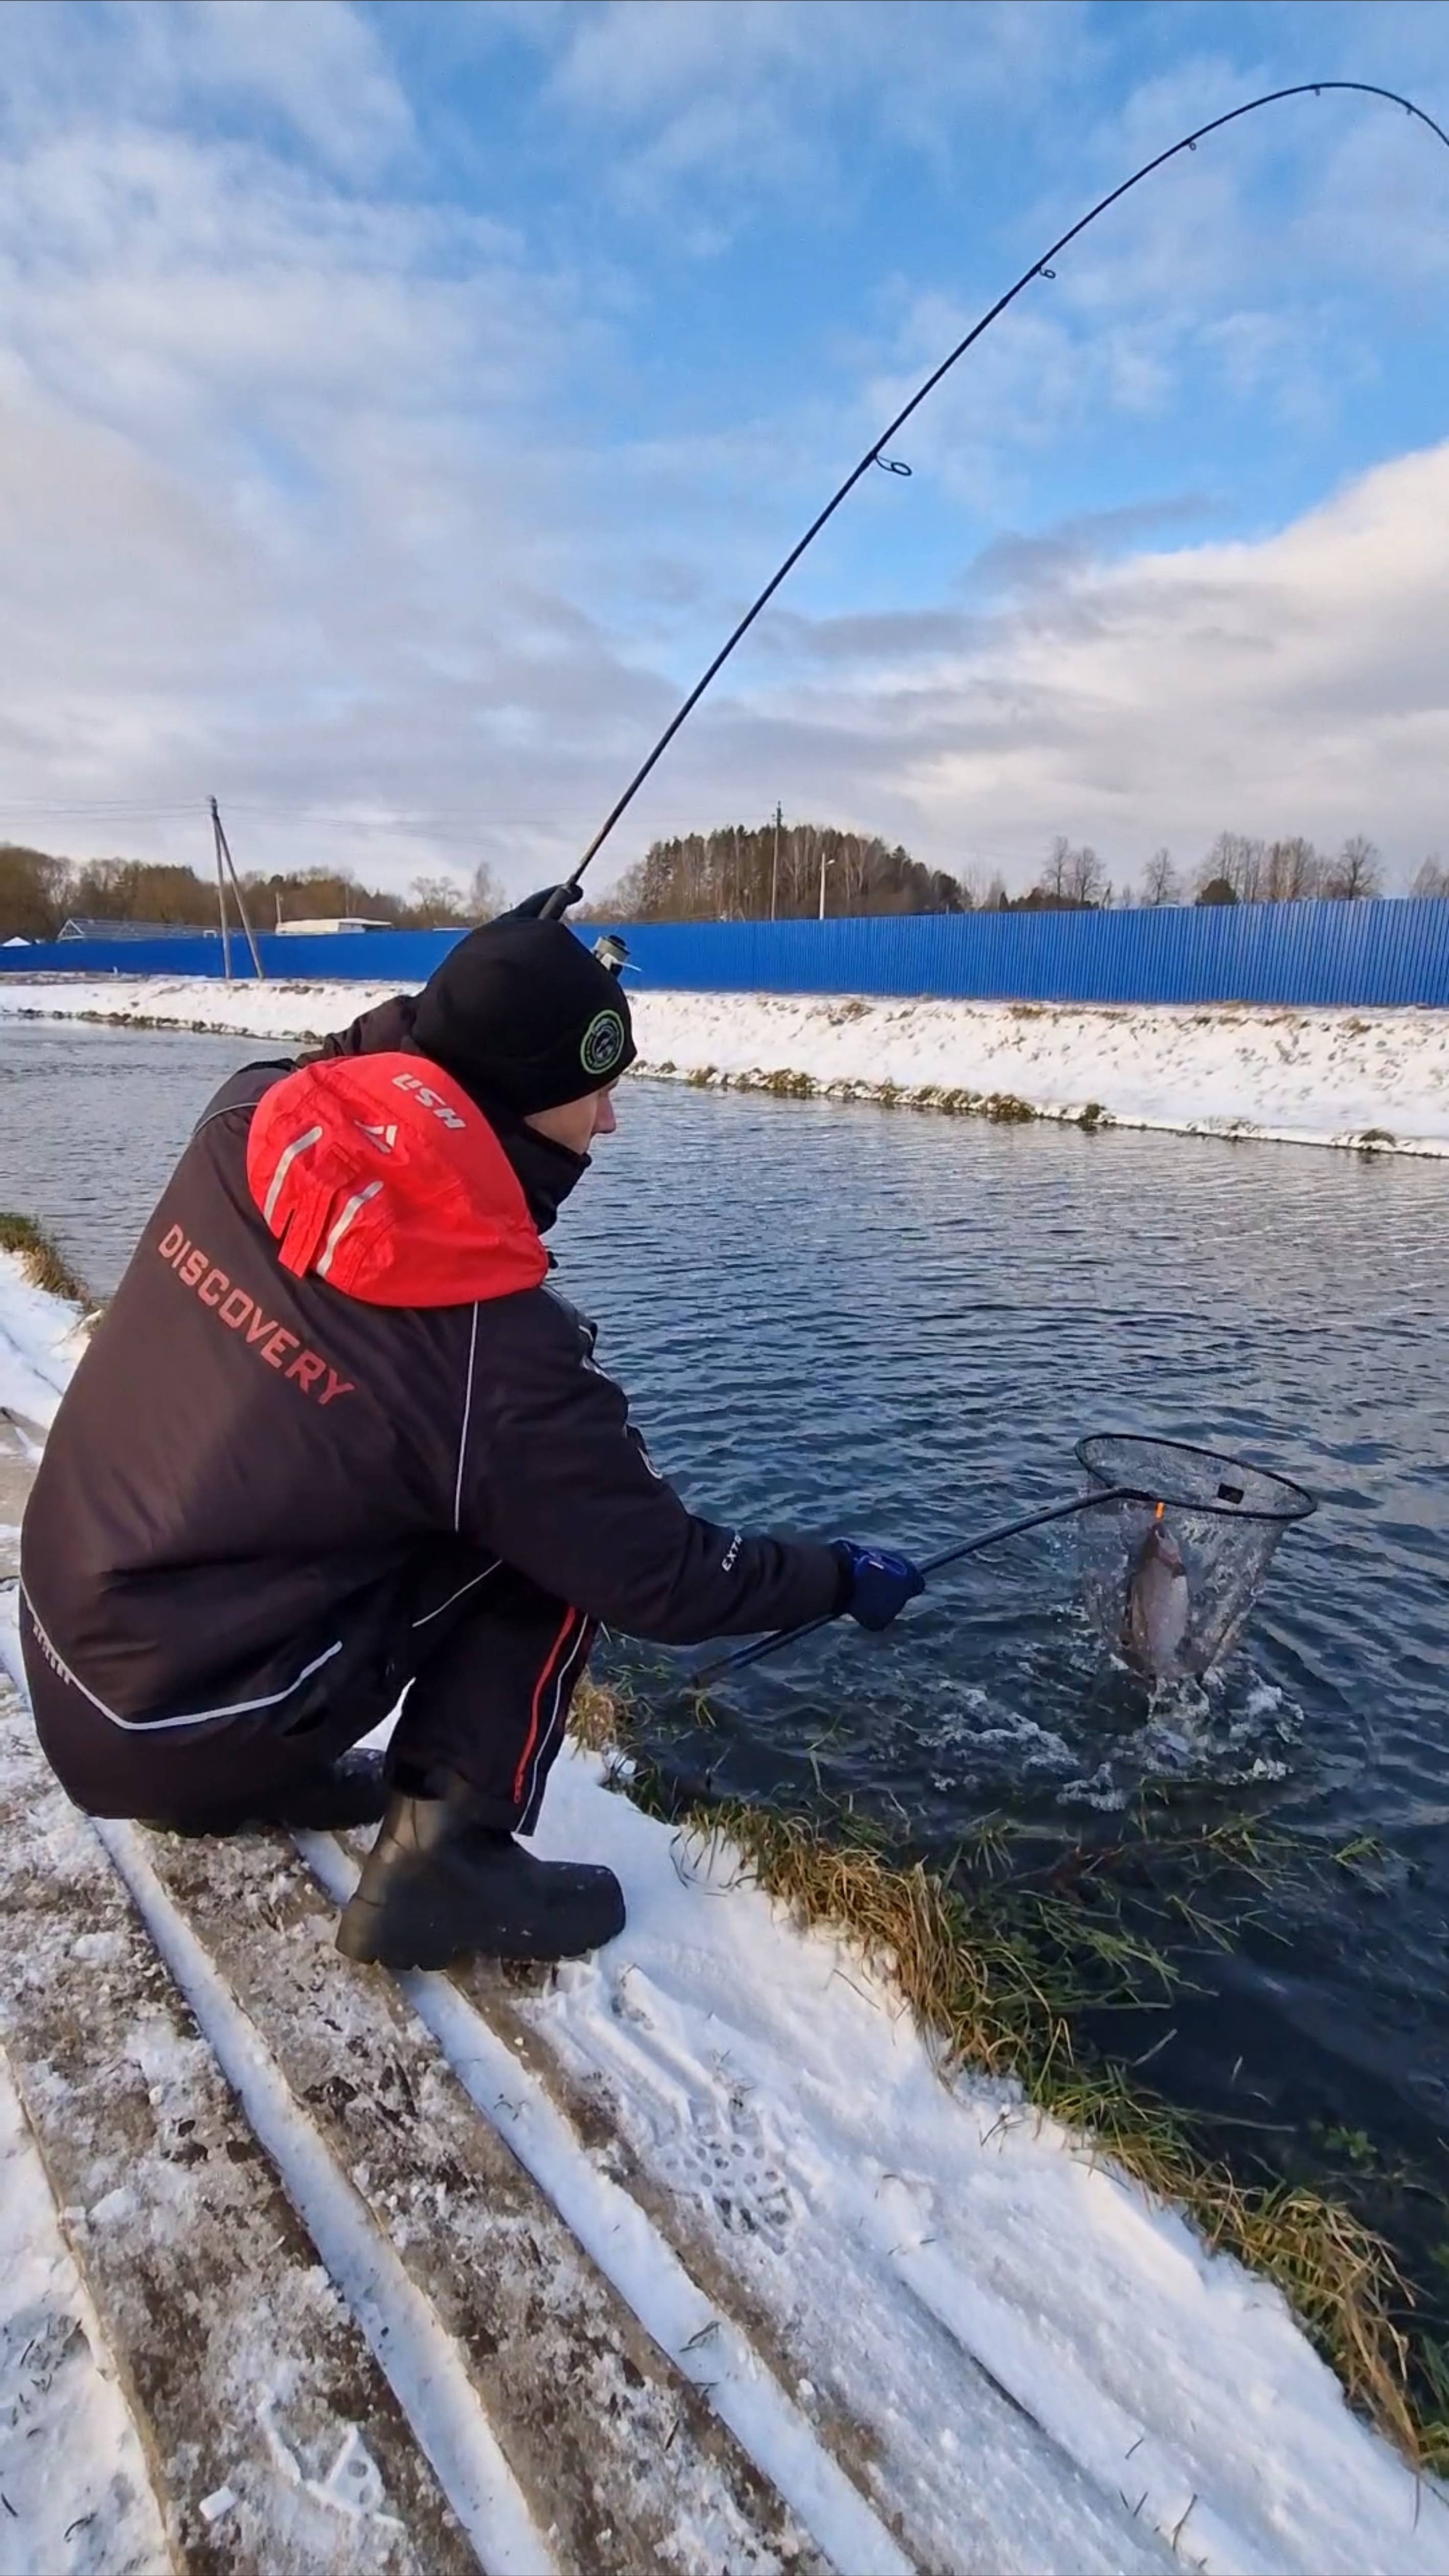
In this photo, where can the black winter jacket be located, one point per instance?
(333, 1353)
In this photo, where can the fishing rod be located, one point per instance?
(564, 896)
(762, 1646)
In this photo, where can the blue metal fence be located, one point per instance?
(1354, 954)
(373, 956)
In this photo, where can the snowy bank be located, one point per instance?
(937, 2330)
(41, 1339)
(1377, 1080)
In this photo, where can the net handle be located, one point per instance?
(756, 1652)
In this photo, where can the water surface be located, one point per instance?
(895, 1325)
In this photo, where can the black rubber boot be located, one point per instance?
(350, 1791)
(437, 1885)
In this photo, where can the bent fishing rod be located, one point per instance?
(564, 896)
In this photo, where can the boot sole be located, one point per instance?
(362, 1943)
(361, 1938)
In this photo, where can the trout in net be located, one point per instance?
(1158, 1608)
(1173, 1544)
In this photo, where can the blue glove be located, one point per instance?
(874, 1586)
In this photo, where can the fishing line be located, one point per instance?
(560, 901)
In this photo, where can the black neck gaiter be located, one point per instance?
(546, 1171)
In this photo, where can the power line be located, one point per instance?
(446, 822)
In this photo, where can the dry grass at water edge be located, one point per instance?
(785, 1082)
(45, 1266)
(989, 1982)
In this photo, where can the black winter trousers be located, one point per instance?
(488, 1662)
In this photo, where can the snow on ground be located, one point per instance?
(1306, 1077)
(74, 2493)
(40, 1342)
(761, 2071)
(1037, 2368)
(73, 2488)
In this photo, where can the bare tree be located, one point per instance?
(1236, 861)
(1160, 881)
(1053, 878)
(1086, 878)
(1072, 878)
(1432, 879)
(435, 903)
(1292, 871)
(1356, 873)
(486, 898)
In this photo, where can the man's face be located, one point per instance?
(577, 1122)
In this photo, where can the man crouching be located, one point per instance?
(336, 1442)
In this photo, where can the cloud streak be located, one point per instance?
(1295, 684)
(350, 496)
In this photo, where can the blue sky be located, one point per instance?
(400, 401)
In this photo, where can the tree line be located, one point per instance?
(1236, 869)
(739, 872)
(777, 871)
(793, 871)
(39, 893)
(1239, 869)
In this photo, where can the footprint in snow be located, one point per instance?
(735, 2163)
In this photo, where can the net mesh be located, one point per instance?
(1168, 1573)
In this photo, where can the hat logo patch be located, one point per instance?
(603, 1043)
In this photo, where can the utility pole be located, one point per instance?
(775, 866)
(824, 864)
(221, 895)
(223, 855)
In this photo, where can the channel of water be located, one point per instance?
(843, 1318)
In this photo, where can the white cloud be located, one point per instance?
(1295, 684)
(317, 63)
(298, 502)
(736, 103)
(314, 68)
(281, 511)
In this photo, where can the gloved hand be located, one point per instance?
(874, 1585)
(535, 907)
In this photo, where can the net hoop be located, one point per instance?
(1263, 1495)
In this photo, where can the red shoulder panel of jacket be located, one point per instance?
(379, 1175)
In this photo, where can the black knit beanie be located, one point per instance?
(521, 1012)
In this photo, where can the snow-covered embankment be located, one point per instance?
(928, 2328)
(1373, 1079)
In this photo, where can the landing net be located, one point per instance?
(1168, 1574)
